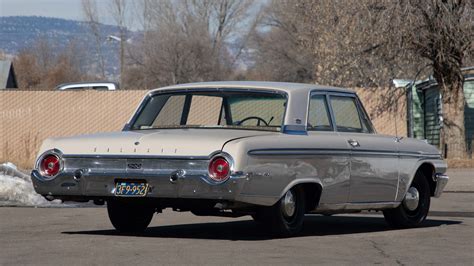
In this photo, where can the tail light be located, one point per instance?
(50, 165)
(220, 168)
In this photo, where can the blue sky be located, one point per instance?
(68, 9)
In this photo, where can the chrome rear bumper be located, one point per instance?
(65, 185)
(441, 181)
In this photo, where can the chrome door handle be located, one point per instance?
(353, 143)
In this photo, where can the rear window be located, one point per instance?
(222, 109)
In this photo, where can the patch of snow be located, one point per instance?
(16, 189)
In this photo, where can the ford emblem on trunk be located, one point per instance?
(134, 166)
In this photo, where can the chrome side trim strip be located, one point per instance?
(282, 152)
(419, 155)
(117, 156)
(374, 154)
(358, 206)
(355, 152)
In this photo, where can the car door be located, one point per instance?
(374, 158)
(332, 160)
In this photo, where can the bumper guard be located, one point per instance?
(441, 181)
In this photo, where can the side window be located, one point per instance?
(318, 115)
(346, 114)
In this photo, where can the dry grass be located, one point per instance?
(461, 163)
(24, 156)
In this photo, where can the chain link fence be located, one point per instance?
(29, 117)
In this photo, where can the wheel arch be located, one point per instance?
(428, 170)
(312, 191)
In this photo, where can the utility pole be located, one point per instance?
(122, 52)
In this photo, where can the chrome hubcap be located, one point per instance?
(289, 204)
(411, 199)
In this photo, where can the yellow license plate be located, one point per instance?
(131, 189)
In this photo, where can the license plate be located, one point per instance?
(131, 188)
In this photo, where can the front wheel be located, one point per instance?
(286, 217)
(413, 210)
(129, 217)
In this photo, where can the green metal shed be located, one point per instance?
(427, 110)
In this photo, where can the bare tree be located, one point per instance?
(27, 73)
(440, 32)
(90, 11)
(329, 42)
(277, 53)
(189, 40)
(44, 65)
(348, 45)
(229, 15)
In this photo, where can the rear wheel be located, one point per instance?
(286, 217)
(415, 206)
(129, 217)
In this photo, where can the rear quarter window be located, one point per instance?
(346, 114)
(318, 115)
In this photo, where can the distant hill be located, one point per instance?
(20, 32)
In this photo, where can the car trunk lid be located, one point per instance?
(160, 142)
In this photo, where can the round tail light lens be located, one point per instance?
(219, 169)
(50, 165)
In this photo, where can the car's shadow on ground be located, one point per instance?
(249, 230)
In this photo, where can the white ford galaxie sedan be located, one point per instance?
(274, 151)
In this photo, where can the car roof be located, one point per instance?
(262, 85)
(87, 83)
